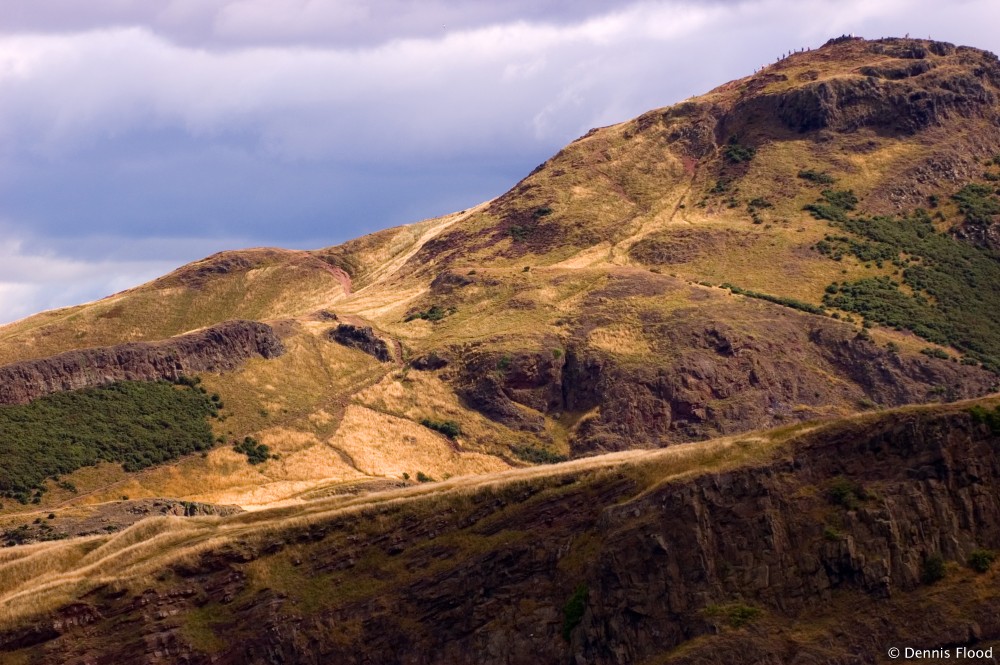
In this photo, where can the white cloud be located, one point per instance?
(506, 84)
(32, 281)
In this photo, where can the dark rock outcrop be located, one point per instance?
(706, 379)
(325, 315)
(430, 362)
(447, 281)
(219, 348)
(905, 95)
(363, 339)
(985, 236)
(847, 104)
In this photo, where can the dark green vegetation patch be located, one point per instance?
(537, 455)
(834, 206)
(954, 287)
(135, 423)
(736, 153)
(256, 452)
(978, 203)
(980, 560)
(434, 313)
(449, 428)
(983, 416)
(818, 177)
(777, 300)
(573, 611)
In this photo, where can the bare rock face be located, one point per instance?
(922, 87)
(985, 236)
(363, 339)
(710, 379)
(220, 348)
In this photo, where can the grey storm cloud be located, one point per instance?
(221, 23)
(136, 135)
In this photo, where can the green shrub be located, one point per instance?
(137, 424)
(778, 300)
(434, 313)
(423, 477)
(818, 177)
(256, 452)
(843, 199)
(932, 569)
(573, 610)
(736, 615)
(519, 233)
(721, 186)
(537, 455)
(737, 154)
(449, 428)
(846, 493)
(981, 560)
(983, 416)
(834, 206)
(978, 203)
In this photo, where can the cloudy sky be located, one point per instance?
(137, 135)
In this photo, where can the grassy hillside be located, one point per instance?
(845, 197)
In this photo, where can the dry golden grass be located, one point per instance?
(620, 339)
(382, 445)
(413, 396)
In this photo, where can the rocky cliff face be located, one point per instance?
(920, 86)
(362, 338)
(836, 528)
(704, 379)
(217, 349)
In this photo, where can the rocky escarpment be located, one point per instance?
(609, 566)
(922, 84)
(220, 348)
(362, 338)
(704, 379)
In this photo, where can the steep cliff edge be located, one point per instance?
(217, 349)
(799, 547)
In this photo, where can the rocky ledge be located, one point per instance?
(220, 348)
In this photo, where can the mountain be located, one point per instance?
(810, 242)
